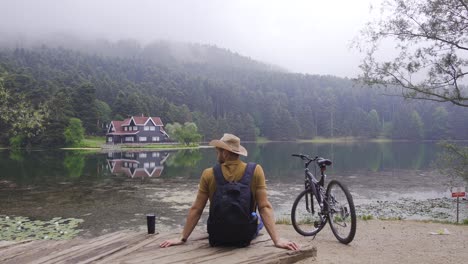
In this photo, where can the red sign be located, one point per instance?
(458, 192)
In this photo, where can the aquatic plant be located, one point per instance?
(22, 228)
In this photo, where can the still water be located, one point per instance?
(114, 190)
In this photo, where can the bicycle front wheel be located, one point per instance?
(305, 214)
(341, 212)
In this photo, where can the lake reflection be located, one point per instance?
(137, 164)
(114, 190)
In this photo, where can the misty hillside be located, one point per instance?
(162, 52)
(218, 90)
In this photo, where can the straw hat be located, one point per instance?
(230, 143)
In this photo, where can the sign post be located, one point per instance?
(458, 192)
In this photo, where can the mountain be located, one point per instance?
(221, 91)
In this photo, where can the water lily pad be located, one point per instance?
(17, 228)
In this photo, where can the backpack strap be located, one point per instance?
(247, 179)
(248, 174)
(218, 174)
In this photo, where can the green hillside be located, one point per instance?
(42, 87)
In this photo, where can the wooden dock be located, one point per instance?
(139, 247)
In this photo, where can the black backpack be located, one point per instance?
(230, 222)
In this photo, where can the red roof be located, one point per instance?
(117, 126)
(139, 121)
(157, 121)
(142, 120)
(119, 129)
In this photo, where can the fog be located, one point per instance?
(301, 36)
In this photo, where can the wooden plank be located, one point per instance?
(197, 250)
(87, 252)
(49, 251)
(27, 252)
(129, 250)
(131, 247)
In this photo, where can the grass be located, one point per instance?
(346, 140)
(380, 140)
(287, 220)
(331, 140)
(89, 142)
(398, 218)
(98, 141)
(262, 140)
(366, 217)
(159, 146)
(283, 221)
(93, 142)
(463, 222)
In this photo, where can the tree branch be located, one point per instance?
(410, 34)
(462, 2)
(403, 82)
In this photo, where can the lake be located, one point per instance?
(114, 190)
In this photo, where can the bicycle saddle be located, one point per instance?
(324, 162)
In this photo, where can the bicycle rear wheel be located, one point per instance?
(304, 221)
(341, 212)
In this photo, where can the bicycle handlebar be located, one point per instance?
(301, 156)
(304, 157)
(320, 161)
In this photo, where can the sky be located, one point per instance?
(303, 36)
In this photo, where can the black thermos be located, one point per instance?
(151, 223)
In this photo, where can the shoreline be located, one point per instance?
(318, 140)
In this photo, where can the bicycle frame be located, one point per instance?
(316, 186)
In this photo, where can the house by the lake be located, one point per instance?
(137, 129)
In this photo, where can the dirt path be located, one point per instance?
(379, 241)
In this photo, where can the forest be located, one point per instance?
(43, 86)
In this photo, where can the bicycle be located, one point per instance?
(335, 204)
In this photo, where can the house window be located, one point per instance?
(155, 154)
(155, 138)
(142, 155)
(125, 128)
(146, 128)
(146, 165)
(152, 128)
(142, 139)
(152, 164)
(135, 128)
(109, 139)
(129, 139)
